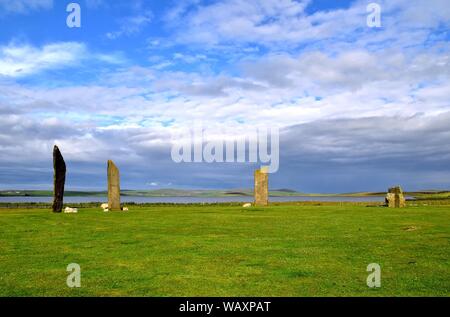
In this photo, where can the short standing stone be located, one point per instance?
(59, 179)
(113, 187)
(395, 198)
(261, 187)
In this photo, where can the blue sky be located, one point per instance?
(358, 108)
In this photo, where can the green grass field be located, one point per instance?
(227, 251)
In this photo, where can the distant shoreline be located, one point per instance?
(214, 193)
(180, 193)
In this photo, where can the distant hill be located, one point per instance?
(168, 192)
(286, 190)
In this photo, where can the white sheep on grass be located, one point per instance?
(69, 210)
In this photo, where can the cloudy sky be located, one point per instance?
(358, 108)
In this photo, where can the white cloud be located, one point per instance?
(189, 58)
(22, 60)
(236, 21)
(283, 89)
(23, 6)
(277, 25)
(19, 60)
(131, 25)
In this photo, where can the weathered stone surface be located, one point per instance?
(395, 198)
(59, 179)
(261, 187)
(113, 187)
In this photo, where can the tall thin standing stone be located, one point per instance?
(261, 187)
(113, 187)
(59, 179)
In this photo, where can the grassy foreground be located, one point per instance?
(227, 251)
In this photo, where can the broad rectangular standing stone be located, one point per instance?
(395, 198)
(113, 187)
(261, 187)
(59, 179)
